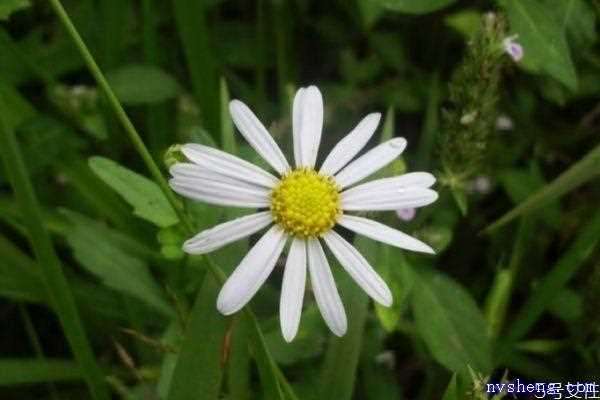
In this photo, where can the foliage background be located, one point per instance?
(508, 295)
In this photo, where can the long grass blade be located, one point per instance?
(195, 37)
(581, 249)
(579, 173)
(27, 371)
(59, 290)
(199, 370)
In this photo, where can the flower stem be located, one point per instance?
(120, 112)
(157, 175)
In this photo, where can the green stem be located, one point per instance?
(58, 288)
(154, 170)
(119, 111)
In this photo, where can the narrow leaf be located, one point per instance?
(59, 290)
(579, 173)
(451, 324)
(28, 371)
(115, 267)
(414, 6)
(8, 7)
(144, 195)
(451, 392)
(194, 33)
(341, 359)
(543, 295)
(199, 369)
(136, 84)
(19, 276)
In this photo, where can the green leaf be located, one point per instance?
(194, 33)
(451, 324)
(466, 22)
(267, 369)
(307, 344)
(19, 277)
(414, 6)
(8, 7)
(543, 39)
(544, 293)
(199, 371)
(392, 264)
(142, 84)
(20, 109)
(451, 392)
(341, 360)
(579, 20)
(228, 142)
(52, 272)
(28, 371)
(116, 268)
(145, 196)
(238, 365)
(584, 170)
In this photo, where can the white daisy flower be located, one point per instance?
(302, 204)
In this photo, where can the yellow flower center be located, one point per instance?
(305, 203)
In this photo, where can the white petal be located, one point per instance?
(297, 124)
(292, 290)
(411, 197)
(381, 186)
(228, 232)
(194, 171)
(257, 136)
(326, 294)
(383, 233)
(308, 105)
(370, 162)
(359, 269)
(252, 272)
(350, 145)
(225, 164)
(220, 193)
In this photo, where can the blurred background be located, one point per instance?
(499, 99)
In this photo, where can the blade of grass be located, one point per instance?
(112, 21)
(35, 343)
(267, 369)
(584, 170)
(260, 66)
(157, 116)
(341, 360)
(281, 20)
(199, 370)
(431, 124)
(27, 371)
(238, 365)
(59, 290)
(157, 175)
(582, 248)
(228, 142)
(499, 296)
(194, 33)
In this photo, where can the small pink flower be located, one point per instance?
(513, 49)
(406, 214)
